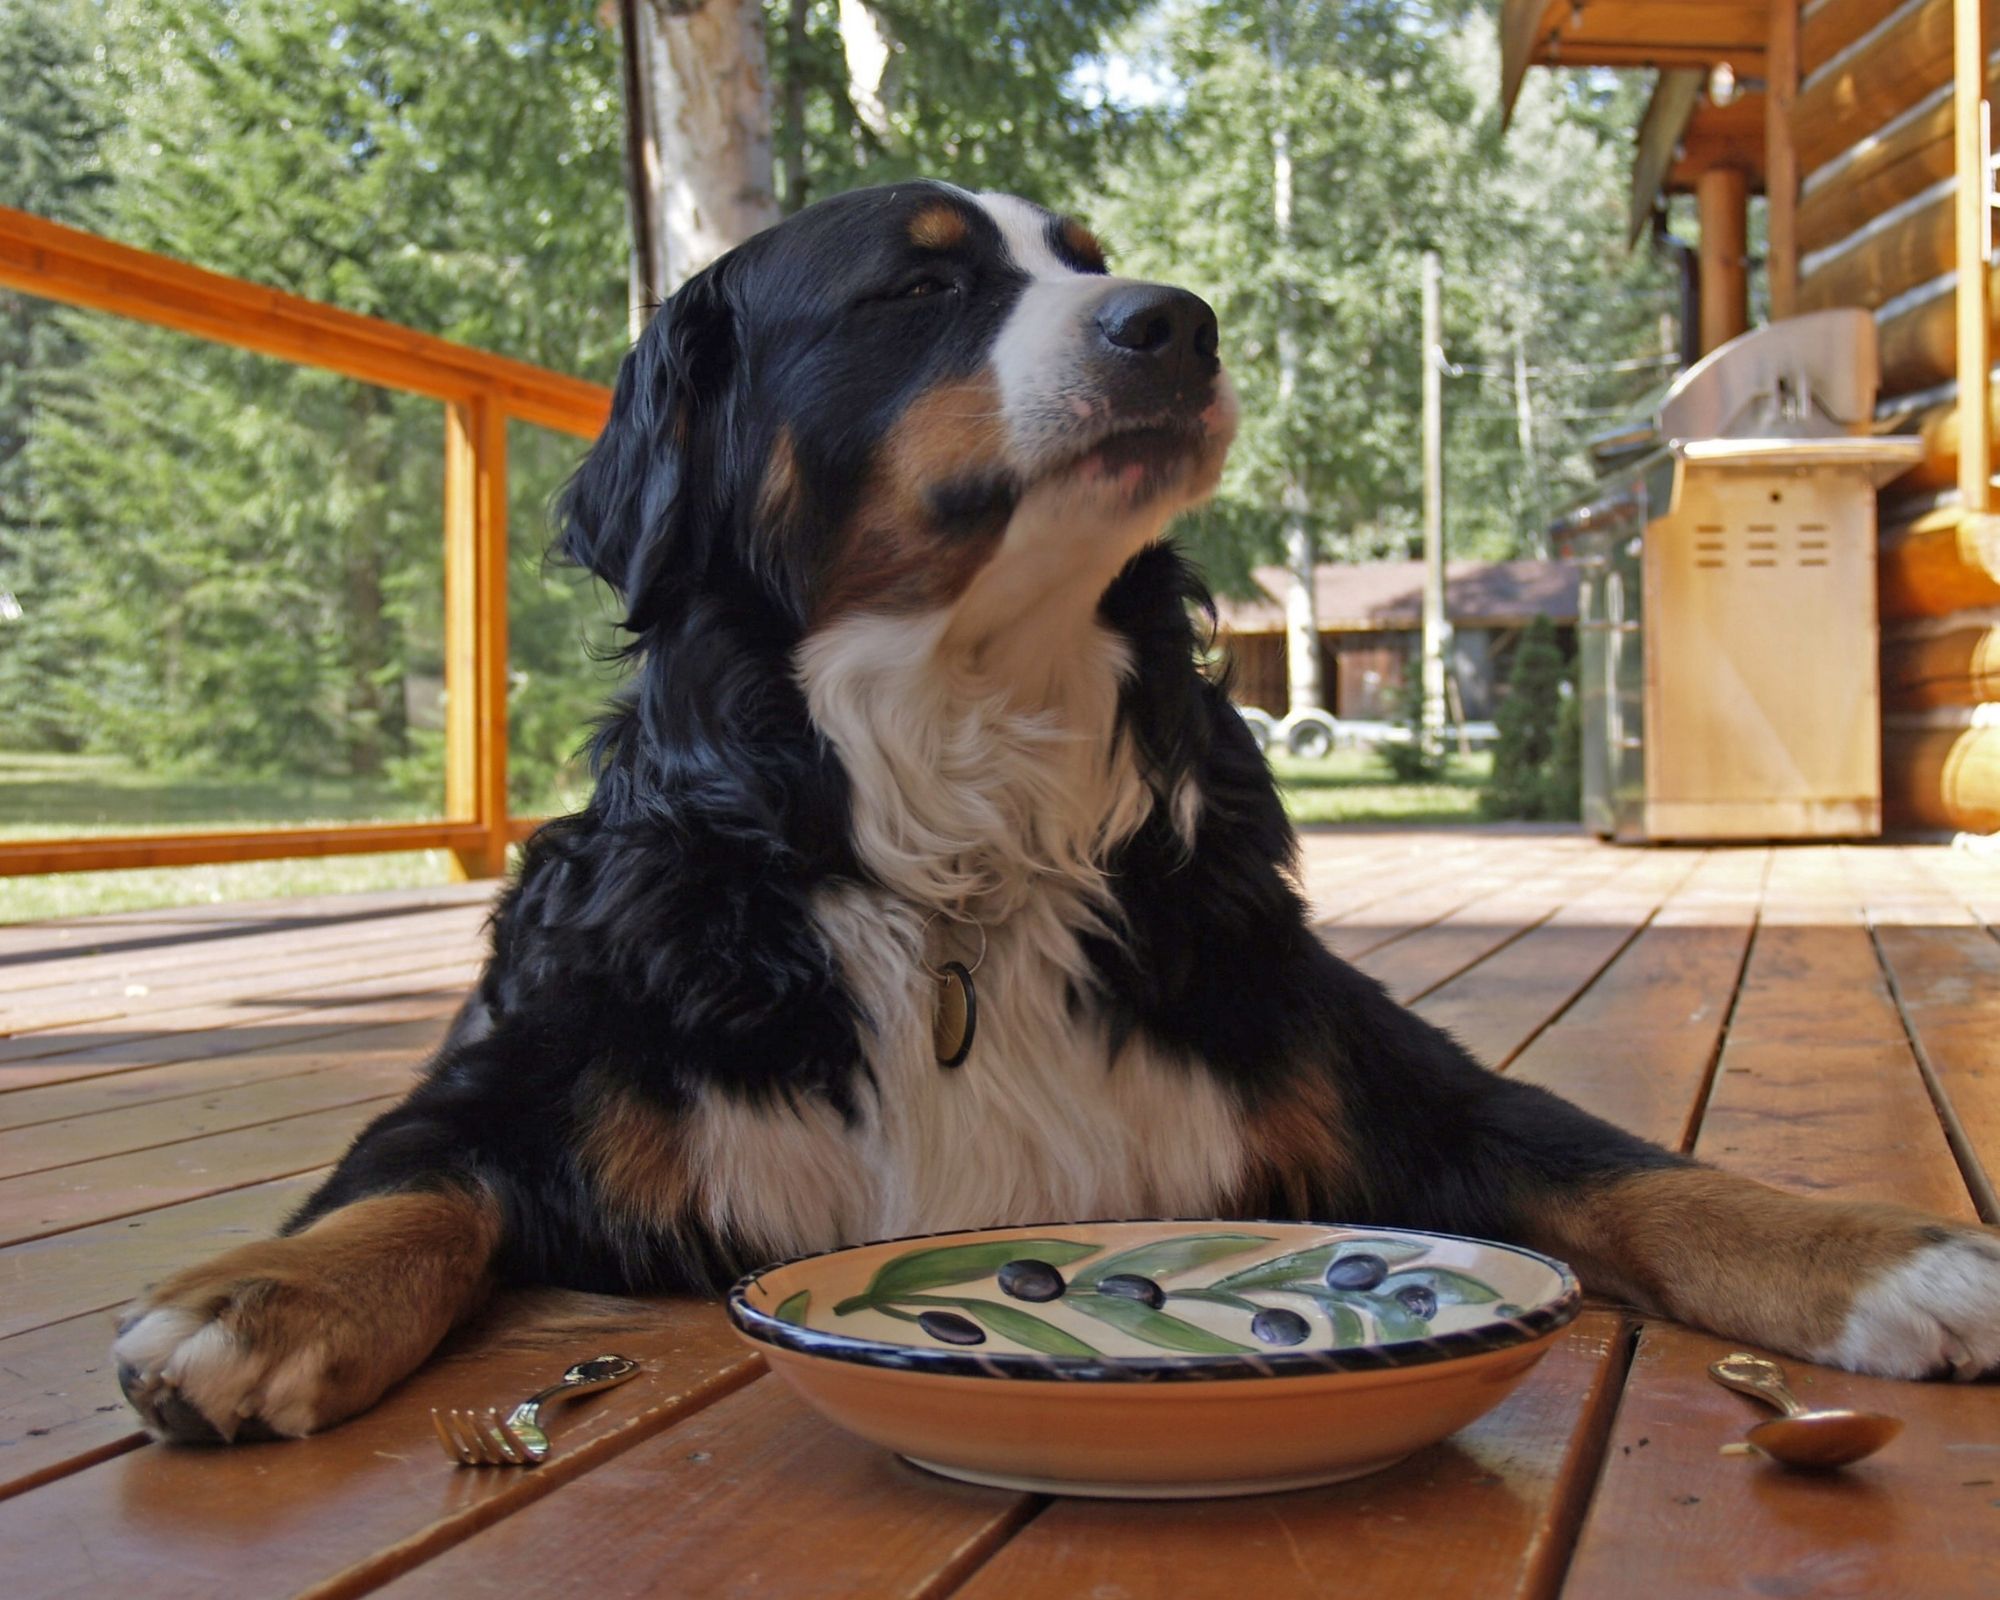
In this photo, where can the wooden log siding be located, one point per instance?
(1896, 253)
(1830, 26)
(481, 393)
(1938, 563)
(1945, 778)
(1933, 664)
(1880, 75)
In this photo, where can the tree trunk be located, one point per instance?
(698, 100)
(796, 190)
(1305, 690)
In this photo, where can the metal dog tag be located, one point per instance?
(957, 1016)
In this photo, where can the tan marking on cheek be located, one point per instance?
(1081, 243)
(893, 556)
(939, 227)
(1298, 1160)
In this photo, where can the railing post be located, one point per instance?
(1973, 232)
(475, 629)
(1781, 159)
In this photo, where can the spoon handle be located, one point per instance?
(1753, 1375)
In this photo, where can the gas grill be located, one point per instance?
(1727, 624)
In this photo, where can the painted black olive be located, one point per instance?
(1029, 1279)
(1360, 1271)
(1278, 1326)
(950, 1327)
(1418, 1300)
(1130, 1286)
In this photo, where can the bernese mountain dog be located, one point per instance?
(929, 882)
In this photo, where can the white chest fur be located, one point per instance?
(960, 802)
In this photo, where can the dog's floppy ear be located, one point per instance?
(655, 487)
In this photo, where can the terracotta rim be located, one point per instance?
(1500, 1334)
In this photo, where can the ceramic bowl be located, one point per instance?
(1157, 1359)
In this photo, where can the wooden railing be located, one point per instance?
(480, 393)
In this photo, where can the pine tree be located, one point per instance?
(1525, 748)
(50, 165)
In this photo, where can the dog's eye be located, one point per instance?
(920, 287)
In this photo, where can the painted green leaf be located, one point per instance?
(1451, 1288)
(1348, 1328)
(1167, 1256)
(1155, 1327)
(1216, 1297)
(1308, 1265)
(1011, 1322)
(918, 1270)
(1394, 1321)
(793, 1310)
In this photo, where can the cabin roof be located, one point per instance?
(1372, 596)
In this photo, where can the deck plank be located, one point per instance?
(80, 1099)
(698, 1511)
(106, 1264)
(1421, 961)
(364, 1075)
(237, 967)
(1818, 1092)
(1496, 1007)
(341, 1511)
(42, 1204)
(1638, 1045)
(386, 996)
(1488, 1512)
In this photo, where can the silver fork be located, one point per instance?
(517, 1440)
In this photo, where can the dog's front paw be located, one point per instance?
(1933, 1314)
(214, 1357)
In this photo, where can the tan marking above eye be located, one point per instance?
(939, 227)
(1081, 243)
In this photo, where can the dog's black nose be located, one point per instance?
(1170, 325)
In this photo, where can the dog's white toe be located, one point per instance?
(1934, 1314)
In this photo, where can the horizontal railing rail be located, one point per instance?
(481, 392)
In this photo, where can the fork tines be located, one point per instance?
(477, 1441)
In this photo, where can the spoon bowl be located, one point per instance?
(1820, 1440)
(1802, 1437)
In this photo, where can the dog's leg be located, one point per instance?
(1425, 1136)
(290, 1335)
(1874, 1288)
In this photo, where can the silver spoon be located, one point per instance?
(1802, 1437)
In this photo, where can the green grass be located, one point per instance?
(1355, 786)
(55, 796)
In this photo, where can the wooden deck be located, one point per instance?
(171, 1082)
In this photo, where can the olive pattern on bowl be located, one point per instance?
(1336, 1295)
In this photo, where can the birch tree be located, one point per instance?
(698, 118)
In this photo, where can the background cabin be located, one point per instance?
(1864, 126)
(1370, 626)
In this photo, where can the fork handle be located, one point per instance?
(603, 1372)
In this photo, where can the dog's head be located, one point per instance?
(903, 399)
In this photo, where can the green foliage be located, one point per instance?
(1391, 111)
(1418, 758)
(981, 92)
(50, 131)
(226, 564)
(1530, 778)
(247, 573)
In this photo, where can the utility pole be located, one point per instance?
(1305, 689)
(1437, 628)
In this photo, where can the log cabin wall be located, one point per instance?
(1874, 126)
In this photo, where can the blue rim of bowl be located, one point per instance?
(1502, 1333)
